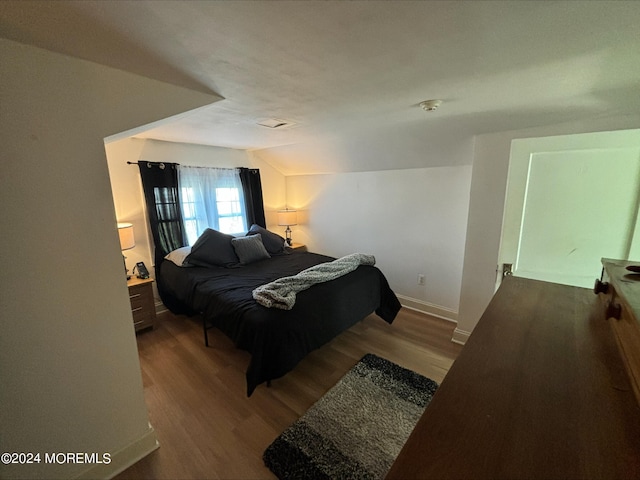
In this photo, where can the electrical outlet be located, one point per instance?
(420, 279)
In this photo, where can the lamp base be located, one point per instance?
(126, 270)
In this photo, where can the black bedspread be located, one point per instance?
(278, 339)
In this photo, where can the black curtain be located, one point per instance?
(161, 193)
(252, 187)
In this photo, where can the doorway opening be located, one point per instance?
(571, 201)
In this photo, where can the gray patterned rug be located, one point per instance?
(357, 429)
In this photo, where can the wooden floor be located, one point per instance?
(196, 396)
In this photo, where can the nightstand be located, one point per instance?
(143, 306)
(299, 247)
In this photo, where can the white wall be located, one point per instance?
(419, 143)
(488, 187)
(413, 221)
(127, 188)
(69, 372)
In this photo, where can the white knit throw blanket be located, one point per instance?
(281, 293)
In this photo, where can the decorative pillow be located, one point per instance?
(273, 242)
(212, 248)
(178, 256)
(250, 249)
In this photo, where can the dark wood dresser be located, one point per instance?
(540, 391)
(621, 297)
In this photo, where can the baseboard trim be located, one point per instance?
(124, 458)
(428, 308)
(160, 308)
(460, 336)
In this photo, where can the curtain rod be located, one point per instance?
(162, 165)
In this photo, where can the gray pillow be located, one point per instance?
(250, 249)
(212, 248)
(273, 242)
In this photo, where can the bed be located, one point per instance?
(277, 339)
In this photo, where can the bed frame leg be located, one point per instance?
(268, 383)
(206, 334)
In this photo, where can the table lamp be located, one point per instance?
(287, 218)
(127, 242)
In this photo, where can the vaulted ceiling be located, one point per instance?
(350, 74)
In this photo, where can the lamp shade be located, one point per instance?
(125, 232)
(287, 217)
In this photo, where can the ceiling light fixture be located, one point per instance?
(430, 105)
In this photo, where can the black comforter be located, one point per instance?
(278, 339)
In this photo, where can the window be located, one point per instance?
(211, 198)
(189, 214)
(230, 219)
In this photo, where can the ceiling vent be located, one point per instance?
(275, 123)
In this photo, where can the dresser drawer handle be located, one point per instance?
(135, 295)
(136, 310)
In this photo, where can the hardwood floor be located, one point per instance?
(196, 396)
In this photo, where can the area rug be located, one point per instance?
(357, 429)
